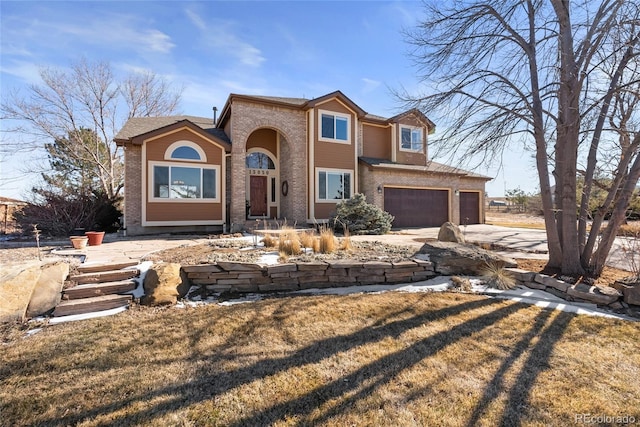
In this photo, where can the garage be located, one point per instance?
(469, 207)
(416, 207)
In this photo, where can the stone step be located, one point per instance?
(98, 268)
(98, 289)
(90, 305)
(104, 276)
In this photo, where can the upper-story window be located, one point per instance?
(411, 139)
(334, 127)
(185, 151)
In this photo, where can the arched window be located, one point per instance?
(259, 160)
(185, 153)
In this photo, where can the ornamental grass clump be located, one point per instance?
(307, 239)
(289, 242)
(269, 241)
(496, 276)
(327, 241)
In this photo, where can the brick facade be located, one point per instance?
(291, 126)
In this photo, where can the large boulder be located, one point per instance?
(17, 283)
(164, 283)
(450, 232)
(630, 289)
(48, 290)
(461, 259)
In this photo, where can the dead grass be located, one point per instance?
(327, 241)
(307, 239)
(269, 241)
(385, 359)
(289, 242)
(496, 276)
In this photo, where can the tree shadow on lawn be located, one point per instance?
(349, 388)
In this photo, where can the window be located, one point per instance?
(334, 185)
(259, 161)
(411, 139)
(334, 127)
(185, 153)
(182, 182)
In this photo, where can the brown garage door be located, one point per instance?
(414, 207)
(469, 207)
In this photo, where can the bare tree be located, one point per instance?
(541, 74)
(85, 100)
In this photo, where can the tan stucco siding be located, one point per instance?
(266, 139)
(410, 157)
(376, 141)
(168, 212)
(194, 211)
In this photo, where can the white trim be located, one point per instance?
(332, 170)
(153, 199)
(177, 223)
(270, 173)
(348, 117)
(169, 151)
(143, 190)
(355, 159)
(394, 143)
(411, 129)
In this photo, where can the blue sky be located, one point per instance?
(214, 48)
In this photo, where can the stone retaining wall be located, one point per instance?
(248, 277)
(601, 295)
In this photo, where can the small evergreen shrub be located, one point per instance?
(359, 217)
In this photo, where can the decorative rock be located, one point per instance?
(630, 291)
(450, 232)
(521, 275)
(202, 268)
(239, 266)
(534, 285)
(281, 268)
(164, 283)
(16, 288)
(593, 294)
(552, 282)
(47, 292)
(461, 259)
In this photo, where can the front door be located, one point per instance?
(258, 195)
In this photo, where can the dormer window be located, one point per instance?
(334, 127)
(411, 139)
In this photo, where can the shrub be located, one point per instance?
(460, 284)
(60, 215)
(359, 217)
(495, 276)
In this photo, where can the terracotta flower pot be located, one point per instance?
(79, 242)
(95, 237)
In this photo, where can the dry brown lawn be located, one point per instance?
(378, 359)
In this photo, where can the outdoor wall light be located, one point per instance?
(379, 189)
(457, 192)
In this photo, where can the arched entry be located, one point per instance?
(262, 183)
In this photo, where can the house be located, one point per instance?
(293, 158)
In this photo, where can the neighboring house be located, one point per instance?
(8, 208)
(287, 158)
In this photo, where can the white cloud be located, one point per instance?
(24, 71)
(196, 20)
(370, 85)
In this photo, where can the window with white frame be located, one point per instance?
(184, 182)
(411, 139)
(334, 127)
(334, 185)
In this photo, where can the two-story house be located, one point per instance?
(271, 157)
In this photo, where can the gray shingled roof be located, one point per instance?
(293, 101)
(141, 125)
(431, 166)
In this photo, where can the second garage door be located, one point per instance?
(413, 207)
(469, 207)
